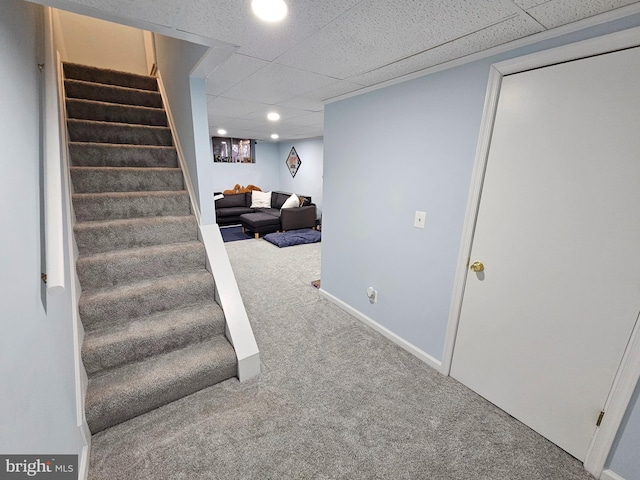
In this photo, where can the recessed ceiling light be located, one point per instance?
(222, 131)
(275, 136)
(273, 116)
(269, 10)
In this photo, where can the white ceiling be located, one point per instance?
(328, 48)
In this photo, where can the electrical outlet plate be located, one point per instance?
(420, 219)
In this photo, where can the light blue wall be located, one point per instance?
(270, 171)
(37, 397)
(187, 102)
(391, 152)
(204, 152)
(263, 173)
(308, 179)
(387, 154)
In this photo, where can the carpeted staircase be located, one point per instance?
(153, 331)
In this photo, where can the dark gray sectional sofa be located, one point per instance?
(236, 209)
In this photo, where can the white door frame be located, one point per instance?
(629, 371)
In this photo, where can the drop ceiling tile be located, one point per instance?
(219, 121)
(238, 128)
(276, 83)
(231, 71)
(240, 124)
(302, 132)
(560, 12)
(251, 134)
(286, 113)
(309, 119)
(232, 107)
(223, 20)
(159, 12)
(393, 30)
(303, 103)
(111, 6)
(498, 34)
(269, 41)
(336, 89)
(527, 4)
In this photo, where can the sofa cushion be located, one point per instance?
(274, 212)
(232, 200)
(291, 202)
(278, 199)
(232, 211)
(260, 199)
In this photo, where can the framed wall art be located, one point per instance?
(293, 162)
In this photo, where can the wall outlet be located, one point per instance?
(420, 219)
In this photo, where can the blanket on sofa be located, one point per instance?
(293, 237)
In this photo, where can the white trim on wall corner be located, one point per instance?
(409, 347)
(629, 371)
(610, 475)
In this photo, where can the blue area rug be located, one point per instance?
(233, 234)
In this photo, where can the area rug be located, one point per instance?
(293, 237)
(233, 234)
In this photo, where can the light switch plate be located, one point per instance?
(420, 220)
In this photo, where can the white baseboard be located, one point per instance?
(409, 347)
(83, 468)
(610, 475)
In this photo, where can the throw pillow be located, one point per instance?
(291, 202)
(260, 199)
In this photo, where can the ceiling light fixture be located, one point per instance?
(275, 136)
(222, 131)
(273, 116)
(269, 10)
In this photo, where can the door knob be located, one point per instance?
(477, 267)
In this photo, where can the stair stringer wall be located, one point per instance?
(227, 294)
(75, 290)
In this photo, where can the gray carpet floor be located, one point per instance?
(335, 400)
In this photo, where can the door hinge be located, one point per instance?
(600, 417)
(43, 277)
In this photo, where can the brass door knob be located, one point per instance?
(477, 267)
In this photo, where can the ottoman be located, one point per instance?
(259, 222)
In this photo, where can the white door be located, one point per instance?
(543, 328)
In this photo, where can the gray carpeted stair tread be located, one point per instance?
(109, 77)
(136, 264)
(153, 332)
(134, 340)
(125, 179)
(137, 388)
(118, 133)
(91, 154)
(112, 94)
(104, 236)
(115, 205)
(132, 300)
(115, 112)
